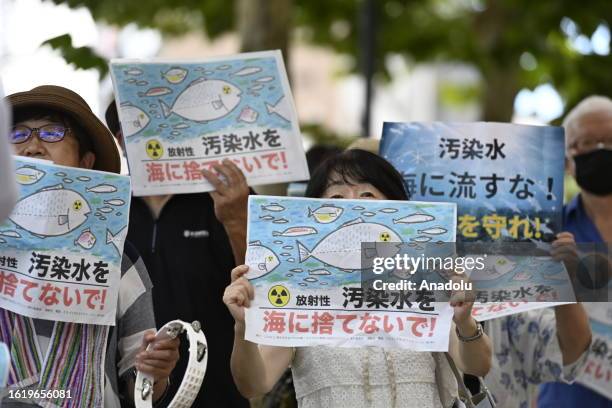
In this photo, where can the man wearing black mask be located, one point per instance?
(588, 141)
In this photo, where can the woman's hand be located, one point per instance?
(239, 293)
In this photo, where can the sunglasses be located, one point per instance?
(48, 133)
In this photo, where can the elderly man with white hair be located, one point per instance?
(588, 130)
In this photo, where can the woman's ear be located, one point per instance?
(88, 160)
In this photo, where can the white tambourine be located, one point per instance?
(194, 374)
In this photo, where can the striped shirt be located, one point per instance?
(134, 317)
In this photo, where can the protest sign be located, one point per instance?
(597, 373)
(61, 247)
(180, 117)
(306, 264)
(507, 181)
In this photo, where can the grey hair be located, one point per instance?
(594, 103)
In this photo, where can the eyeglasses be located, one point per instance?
(48, 133)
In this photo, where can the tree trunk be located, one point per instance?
(500, 89)
(265, 25)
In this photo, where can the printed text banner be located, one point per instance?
(180, 117)
(306, 266)
(61, 247)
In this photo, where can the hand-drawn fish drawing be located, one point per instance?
(261, 259)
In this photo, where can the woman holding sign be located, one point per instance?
(349, 377)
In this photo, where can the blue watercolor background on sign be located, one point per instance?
(133, 80)
(114, 219)
(262, 228)
(535, 152)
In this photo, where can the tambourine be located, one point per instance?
(194, 374)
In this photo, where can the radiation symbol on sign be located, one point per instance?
(385, 236)
(154, 149)
(278, 295)
(77, 205)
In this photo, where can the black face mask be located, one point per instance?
(594, 171)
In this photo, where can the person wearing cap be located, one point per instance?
(54, 123)
(190, 243)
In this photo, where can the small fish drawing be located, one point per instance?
(256, 87)
(102, 218)
(261, 259)
(133, 71)
(61, 174)
(421, 239)
(285, 254)
(388, 210)
(105, 209)
(282, 108)
(291, 260)
(296, 270)
(247, 71)
(116, 239)
(267, 217)
(142, 83)
(157, 91)
(67, 180)
(288, 247)
(86, 240)
(433, 231)
(102, 189)
(319, 272)
(114, 201)
(175, 75)
(289, 275)
(27, 175)
(278, 242)
(264, 79)
(10, 234)
(302, 284)
(414, 218)
(130, 81)
(310, 279)
(83, 178)
(273, 207)
(223, 67)
(294, 232)
(280, 221)
(325, 214)
(522, 276)
(368, 214)
(181, 126)
(248, 115)
(358, 208)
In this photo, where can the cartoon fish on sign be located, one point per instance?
(133, 119)
(115, 201)
(204, 100)
(86, 240)
(325, 214)
(280, 221)
(256, 87)
(414, 218)
(158, 91)
(421, 239)
(248, 115)
(319, 272)
(27, 175)
(282, 108)
(433, 231)
(342, 248)
(273, 207)
(51, 212)
(83, 178)
(247, 71)
(388, 210)
(223, 67)
(117, 238)
(368, 213)
(105, 209)
(266, 217)
(10, 234)
(294, 232)
(264, 79)
(133, 71)
(261, 260)
(102, 189)
(175, 75)
(181, 126)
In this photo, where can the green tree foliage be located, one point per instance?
(491, 35)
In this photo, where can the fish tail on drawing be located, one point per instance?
(166, 110)
(270, 108)
(276, 233)
(303, 251)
